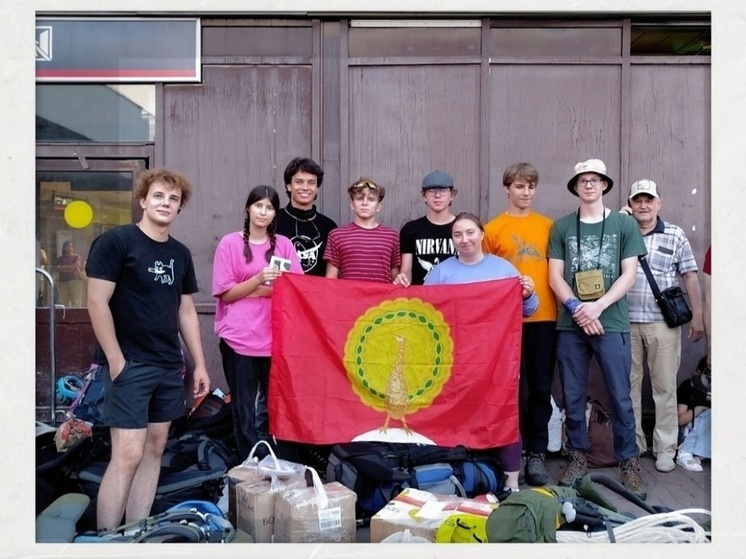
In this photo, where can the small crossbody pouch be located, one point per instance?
(589, 284)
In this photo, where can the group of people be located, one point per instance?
(581, 289)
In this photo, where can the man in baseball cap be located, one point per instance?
(426, 241)
(669, 257)
(585, 249)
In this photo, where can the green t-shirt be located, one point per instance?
(621, 239)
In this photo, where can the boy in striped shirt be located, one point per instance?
(364, 249)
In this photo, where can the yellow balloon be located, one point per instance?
(78, 214)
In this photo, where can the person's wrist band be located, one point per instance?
(572, 304)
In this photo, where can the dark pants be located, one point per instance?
(613, 354)
(538, 357)
(245, 374)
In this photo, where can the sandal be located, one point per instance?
(688, 461)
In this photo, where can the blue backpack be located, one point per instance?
(378, 471)
(89, 402)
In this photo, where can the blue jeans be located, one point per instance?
(612, 352)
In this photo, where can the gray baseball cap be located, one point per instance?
(437, 179)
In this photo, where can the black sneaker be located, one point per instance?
(576, 469)
(521, 469)
(536, 471)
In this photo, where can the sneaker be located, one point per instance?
(576, 469)
(632, 477)
(536, 472)
(521, 469)
(665, 463)
(687, 461)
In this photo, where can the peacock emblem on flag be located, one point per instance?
(398, 357)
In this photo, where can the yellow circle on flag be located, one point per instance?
(404, 340)
(78, 214)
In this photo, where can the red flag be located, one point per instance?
(356, 360)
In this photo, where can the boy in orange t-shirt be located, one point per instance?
(521, 236)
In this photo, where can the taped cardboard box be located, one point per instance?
(242, 473)
(253, 469)
(421, 513)
(314, 515)
(255, 505)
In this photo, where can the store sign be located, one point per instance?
(118, 50)
(61, 202)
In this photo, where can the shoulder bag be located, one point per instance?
(671, 301)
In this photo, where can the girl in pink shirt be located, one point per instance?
(242, 284)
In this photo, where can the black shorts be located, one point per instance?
(143, 394)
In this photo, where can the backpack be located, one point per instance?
(193, 467)
(378, 471)
(213, 417)
(88, 405)
(600, 437)
(192, 521)
(52, 481)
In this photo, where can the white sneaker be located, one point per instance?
(665, 463)
(687, 461)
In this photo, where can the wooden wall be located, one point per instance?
(396, 103)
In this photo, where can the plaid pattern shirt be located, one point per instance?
(669, 255)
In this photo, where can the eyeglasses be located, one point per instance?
(595, 181)
(365, 184)
(442, 190)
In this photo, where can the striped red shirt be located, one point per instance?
(364, 254)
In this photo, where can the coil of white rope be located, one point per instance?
(669, 527)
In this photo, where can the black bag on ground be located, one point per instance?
(378, 471)
(213, 417)
(193, 467)
(52, 466)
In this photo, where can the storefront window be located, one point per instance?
(73, 208)
(95, 113)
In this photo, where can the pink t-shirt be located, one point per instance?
(245, 324)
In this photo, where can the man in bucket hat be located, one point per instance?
(669, 256)
(593, 256)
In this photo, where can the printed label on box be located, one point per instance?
(330, 519)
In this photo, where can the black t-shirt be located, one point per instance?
(309, 234)
(150, 279)
(428, 243)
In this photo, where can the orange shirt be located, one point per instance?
(524, 242)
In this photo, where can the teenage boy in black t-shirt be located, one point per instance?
(426, 241)
(140, 286)
(299, 221)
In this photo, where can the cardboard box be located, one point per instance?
(421, 513)
(255, 505)
(239, 474)
(299, 519)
